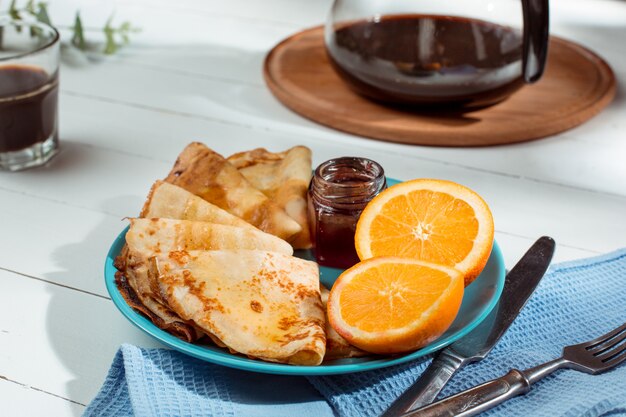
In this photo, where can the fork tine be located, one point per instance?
(616, 358)
(608, 344)
(605, 337)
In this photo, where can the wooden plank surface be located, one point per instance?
(194, 73)
(26, 401)
(63, 344)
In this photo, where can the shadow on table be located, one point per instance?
(79, 302)
(226, 85)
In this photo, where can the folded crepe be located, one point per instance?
(165, 235)
(284, 177)
(336, 346)
(154, 310)
(170, 201)
(262, 304)
(147, 237)
(208, 175)
(167, 201)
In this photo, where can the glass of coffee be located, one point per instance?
(29, 84)
(438, 54)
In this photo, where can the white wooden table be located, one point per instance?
(194, 73)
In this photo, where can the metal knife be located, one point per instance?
(519, 285)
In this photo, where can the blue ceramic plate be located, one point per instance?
(479, 298)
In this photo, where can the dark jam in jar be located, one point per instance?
(338, 193)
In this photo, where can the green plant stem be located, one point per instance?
(85, 28)
(114, 36)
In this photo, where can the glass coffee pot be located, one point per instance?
(461, 54)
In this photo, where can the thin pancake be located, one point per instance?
(208, 175)
(146, 237)
(170, 201)
(160, 315)
(284, 177)
(133, 282)
(262, 304)
(165, 235)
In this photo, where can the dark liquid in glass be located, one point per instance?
(28, 107)
(429, 60)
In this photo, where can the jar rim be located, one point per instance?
(365, 163)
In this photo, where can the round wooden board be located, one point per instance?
(576, 85)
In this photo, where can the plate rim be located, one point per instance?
(233, 361)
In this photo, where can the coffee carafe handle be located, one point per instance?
(536, 34)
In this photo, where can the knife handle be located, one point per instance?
(425, 390)
(477, 399)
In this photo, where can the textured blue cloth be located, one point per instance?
(576, 301)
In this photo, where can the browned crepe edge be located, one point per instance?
(187, 162)
(261, 156)
(181, 330)
(253, 157)
(148, 201)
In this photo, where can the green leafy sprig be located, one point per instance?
(114, 36)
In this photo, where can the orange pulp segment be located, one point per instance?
(391, 304)
(432, 220)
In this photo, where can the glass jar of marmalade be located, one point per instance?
(338, 193)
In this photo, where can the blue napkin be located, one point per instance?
(575, 301)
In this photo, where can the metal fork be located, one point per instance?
(593, 357)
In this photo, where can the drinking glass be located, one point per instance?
(29, 83)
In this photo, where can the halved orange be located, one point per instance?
(432, 220)
(392, 305)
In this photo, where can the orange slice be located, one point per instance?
(431, 220)
(392, 305)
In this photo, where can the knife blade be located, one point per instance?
(519, 285)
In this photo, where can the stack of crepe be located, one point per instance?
(195, 264)
(267, 190)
